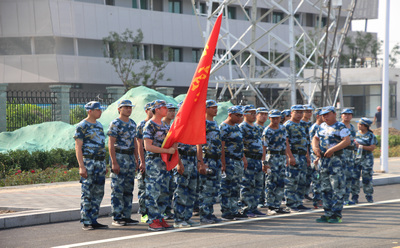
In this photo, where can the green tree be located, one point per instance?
(125, 50)
(393, 55)
(363, 45)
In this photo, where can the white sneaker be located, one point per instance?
(181, 224)
(272, 212)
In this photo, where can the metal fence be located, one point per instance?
(29, 107)
(78, 99)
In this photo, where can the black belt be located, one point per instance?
(253, 156)
(350, 148)
(277, 152)
(153, 155)
(125, 151)
(212, 156)
(95, 157)
(337, 153)
(187, 153)
(365, 152)
(300, 152)
(233, 158)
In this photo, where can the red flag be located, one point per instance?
(189, 126)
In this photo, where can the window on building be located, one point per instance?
(323, 21)
(203, 8)
(231, 13)
(196, 55)
(277, 17)
(110, 2)
(297, 17)
(175, 54)
(175, 6)
(143, 4)
(266, 18)
(15, 46)
(309, 20)
(248, 12)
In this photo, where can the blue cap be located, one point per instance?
(326, 110)
(274, 113)
(171, 106)
(285, 112)
(211, 103)
(126, 103)
(248, 108)
(365, 121)
(180, 104)
(308, 107)
(297, 107)
(158, 104)
(318, 111)
(148, 105)
(93, 105)
(235, 110)
(347, 111)
(262, 110)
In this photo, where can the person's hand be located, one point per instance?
(292, 161)
(115, 168)
(180, 168)
(142, 167)
(83, 172)
(171, 150)
(202, 168)
(328, 153)
(245, 164)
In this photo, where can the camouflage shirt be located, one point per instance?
(352, 134)
(139, 129)
(232, 136)
(93, 138)
(307, 125)
(297, 136)
(124, 132)
(213, 136)
(155, 132)
(251, 138)
(275, 139)
(367, 139)
(330, 136)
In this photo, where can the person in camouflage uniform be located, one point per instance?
(123, 157)
(232, 160)
(364, 165)
(306, 122)
(142, 165)
(315, 163)
(261, 119)
(252, 181)
(90, 153)
(297, 152)
(348, 152)
(328, 143)
(274, 162)
(209, 160)
(285, 116)
(157, 176)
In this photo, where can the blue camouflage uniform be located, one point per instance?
(364, 166)
(350, 173)
(251, 183)
(316, 186)
(230, 185)
(209, 183)
(333, 185)
(295, 181)
(261, 200)
(93, 150)
(275, 142)
(157, 176)
(141, 176)
(123, 183)
(186, 184)
(309, 171)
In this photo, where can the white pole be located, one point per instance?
(385, 95)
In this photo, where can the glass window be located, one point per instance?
(175, 6)
(323, 20)
(353, 90)
(267, 17)
(248, 13)
(231, 12)
(110, 2)
(392, 106)
(297, 17)
(196, 55)
(45, 45)
(277, 17)
(15, 46)
(203, 8)
(371, 103)
(372, 89)
(175, 54)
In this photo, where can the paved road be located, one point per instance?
(364, 225)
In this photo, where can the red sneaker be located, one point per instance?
(165, 224)
(156, 226)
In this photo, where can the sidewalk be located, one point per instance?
(56, 202)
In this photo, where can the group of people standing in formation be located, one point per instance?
(246, 164)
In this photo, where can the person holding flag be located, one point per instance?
(157, 177)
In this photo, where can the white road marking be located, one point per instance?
(215, 225)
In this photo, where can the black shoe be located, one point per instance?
(282, 211)
(118, 223)
(228, 217)
(87, 227)
(303, 208)
(129, 221)
(240, 216)
(99, 226)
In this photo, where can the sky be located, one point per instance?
(378, 25)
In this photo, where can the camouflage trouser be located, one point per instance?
(172, 187)
(157, 187)
(122, 187)
(295, 181)
(185, 191)
(209, 187)
(251, 185)
(333, 185)
(142, 192)
(316, 185)
(364, 167)
(230, 186)
(349, 170)
(275, 182)
(92, 190)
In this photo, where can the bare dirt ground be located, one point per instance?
(392, 131)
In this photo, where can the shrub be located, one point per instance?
(394, 140)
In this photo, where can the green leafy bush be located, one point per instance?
(394, 140)
(21, 115)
